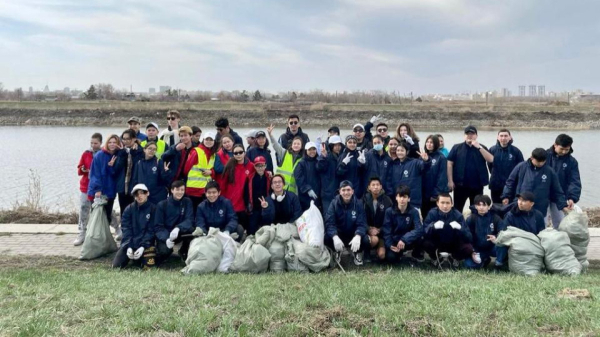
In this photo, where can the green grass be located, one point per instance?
(61, 296)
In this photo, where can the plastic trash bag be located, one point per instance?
(525, 253)
(575, 224)
(265, 236)
(204, 255)
(311, 227)
(230, 248)
(315, 258)
(283, 233)
(292, 259)
(251, 257)
(98, 239)
(559, 258)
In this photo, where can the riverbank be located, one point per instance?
(450, 115)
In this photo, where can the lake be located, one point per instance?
(54, 151)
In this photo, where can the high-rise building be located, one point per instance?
(505, 92)
(541, 90)
(46, 89)
(31, 90)
(522, 90)
(163, 88)
(67, 90)
(532, 90)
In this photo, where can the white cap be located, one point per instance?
(251, 133)
(152, 124)
(358, 125)
(139, 187)
(310, 145)
(209, 134)
(335, 140)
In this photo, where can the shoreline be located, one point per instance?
(420, 115)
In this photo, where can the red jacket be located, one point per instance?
(191, 161)
(235, 191)
(249, 186)
(85, 161)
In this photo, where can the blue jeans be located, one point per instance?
(498, 252)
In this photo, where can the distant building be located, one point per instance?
(67, 90)
(532, 90)
(46, 89)
(152, 91)
(590, 97)
(506, 92)
(31, 90)
(163, 88)
(541, 90)
(522, 90)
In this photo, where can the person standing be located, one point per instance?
(408, 171)
(127, 160)
(563, 163)
(506, 157)
(363, 139)
(223, 128)
(435, 180)
(375, 203)
(152, 131)
(261, 149)
(351, 166)
(235, 174)
(407, 133)
(378, 161)
(306, 177)
(293, 130)
(170, 135)
(287, 159)
(154, 173)
(257, 189)
(103, 180)
(83, 170)
(467, 170)
(135, 125)
(199, 168)
(177, 155)
(327, 168)
(443, 148)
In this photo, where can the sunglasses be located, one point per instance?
(237, 153)
(294, 123)
(381, 130)
(171, 118)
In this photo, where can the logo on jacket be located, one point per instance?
(385, 163)
(154, 169)
(407, 219)
(406, 173)
(353, 214)
(182, 211)
(510, 156)
(433, 161)
(148, 216)
(564, 166)
(221, 212)
(381, 207)
(492, 226)
(544, 177)
(247, 172)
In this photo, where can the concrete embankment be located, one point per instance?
(420, 115)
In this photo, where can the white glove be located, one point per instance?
(130, 253)
(138, 253)
(313, 195)
(375, 119)
(355, 244)
(438, 225)
(170, 244)
(361, 157)
(347, 159)
(338, 244)
(226, 233)
(455, 225)
(235, 236)
(174, 234)
(409, 140)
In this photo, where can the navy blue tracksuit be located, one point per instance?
(151, 172)
(505, 160)
(137, 223)
(376, 166)
(567, 169)
(480, 227)
(346, 220)
(435, 181)
(327, 168)
(353, 172)
(171, 213)
(410, 173)
(447, 239)
(405, 227)
(469, 173)
(307, 179)
(532, 222)
(218, 214)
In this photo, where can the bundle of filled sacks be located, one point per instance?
(561, 251)
(280, 247)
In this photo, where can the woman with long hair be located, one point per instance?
(223, 155)
(435, 180)
(103, 180)
(407, 133)
(235, 174)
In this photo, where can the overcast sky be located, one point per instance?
(424, 46)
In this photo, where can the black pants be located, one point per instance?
(196, 201)
(458, 249)
(365, 244)
(426, 207)
(163, 252)
(462, 193)
(243, 219)
(393, 257)
(146, 261)
(254, 221)
(496, 196)
(108, 207)
(124, 201)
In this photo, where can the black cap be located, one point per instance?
(334, 129)
(351, 137)
(527, 196)
(346, 183)
(261, 134)
(471, 129)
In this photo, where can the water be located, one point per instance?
(53, 152)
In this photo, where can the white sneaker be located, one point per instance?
(358, 259)
(79, 240)
(476, 258)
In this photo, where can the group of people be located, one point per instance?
(380, 195)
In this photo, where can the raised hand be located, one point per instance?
(270, 129)
(166, 166)
(112, 161)
(263, 202)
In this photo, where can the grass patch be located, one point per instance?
(54, 296)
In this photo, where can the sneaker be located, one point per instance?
(418, 256)
(476, 258)
(118, 234)
(79, 240)
(358, 259)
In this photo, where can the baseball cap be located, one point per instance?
(133, 119)
(139, 187)
(210, 134)
(251, 133)
(259, 160)
(527, 196)
(152, 125)
(310, 145)
(346, 183)
(471, 129)
(358, 126)
(260, 134)
(335, 140)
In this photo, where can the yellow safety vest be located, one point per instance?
(160, 147)
(287, 171)
(195, 177)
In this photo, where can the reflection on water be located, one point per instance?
(53, 152)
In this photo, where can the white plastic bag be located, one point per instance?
(525, 253)
(229, 250)
(204, 254)
(559, 258)
(575, 224)
(311, 227)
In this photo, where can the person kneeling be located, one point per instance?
(137, 223)
(376, 203)
(174, 223)
(217, 211)
(483, 225)
(402, 227)
(346, 224)
(446, 235)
